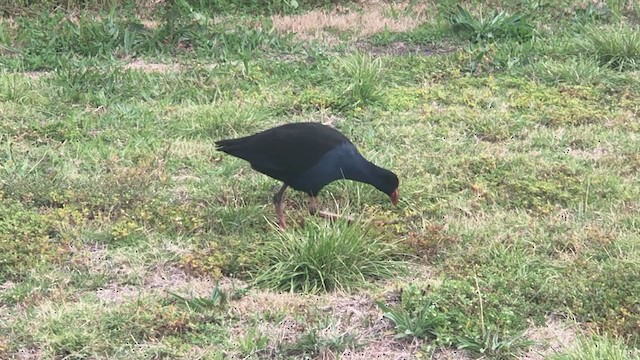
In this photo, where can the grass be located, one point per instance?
(513, 129)
(615, 47)
(321, 258)
(492, 26)
(599, 347)
(360, 75)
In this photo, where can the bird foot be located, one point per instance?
(333, 217)
(385, 222)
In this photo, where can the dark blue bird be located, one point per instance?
(306, 157)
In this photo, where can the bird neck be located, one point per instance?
(367, 172)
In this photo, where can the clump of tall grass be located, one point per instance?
(491, 26)
(359, 75)
(617, 47)
(322, 257)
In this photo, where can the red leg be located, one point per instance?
(277, 202)
(313, 205)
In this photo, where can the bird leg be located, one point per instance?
(313, 205)
(277, 202)
(333, 217)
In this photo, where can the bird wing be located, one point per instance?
(287, 150)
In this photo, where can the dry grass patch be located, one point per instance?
(96, 259)
(189, 149)
(29, 354)
(331, 315)
(148, 67)
(593, 154)
(386, 348)
(117, 294)
(35, 75)
(163, 279)
(258, 302)
(371, 18)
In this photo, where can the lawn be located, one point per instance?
(514, 128)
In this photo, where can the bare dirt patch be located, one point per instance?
(150, 24)
(330, 314)
(169, 278)
(359, 315)
(554, 337)
(29, 354)
(452, 354)
(114, 293)
(158, 281)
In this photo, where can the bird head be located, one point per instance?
(391, 186)
(394, 197)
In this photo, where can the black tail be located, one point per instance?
(225, 144)
(235, 147)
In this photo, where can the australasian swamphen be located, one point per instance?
(306, 157)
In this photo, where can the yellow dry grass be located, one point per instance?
(369, 18)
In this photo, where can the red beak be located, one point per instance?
(394, 197)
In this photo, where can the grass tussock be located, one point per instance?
(598, 347)
(360, 75)
(321, 257)
(617, 47)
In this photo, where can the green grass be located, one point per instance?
(125, 235)
(321, 258)
(599, 347)
(493, 26)
(617, 47)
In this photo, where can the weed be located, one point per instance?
(593, 13)
(53, 40)
(495, 346)
(320, 339)
(493, 26)
(253, 342)
(210, 261)
(491, 57)
(27, 240)
(217, 299)
(608, 304)
(422, 323)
